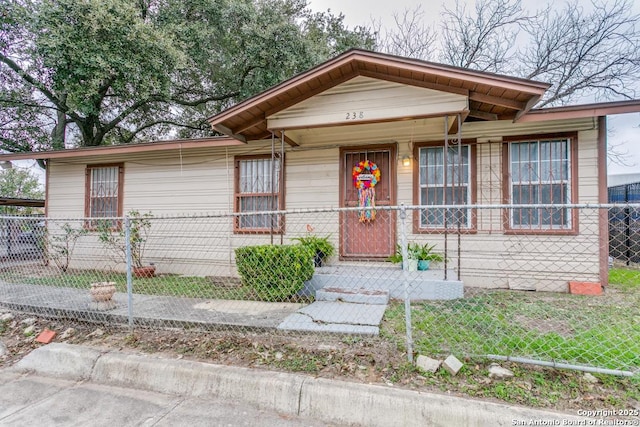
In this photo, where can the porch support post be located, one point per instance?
(444, 190)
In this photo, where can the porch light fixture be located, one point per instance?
(406, 161)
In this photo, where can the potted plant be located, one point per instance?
(412, 261)
(139, 226)
(425, 255)
(419, 256)
(321, 247)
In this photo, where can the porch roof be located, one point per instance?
(491, 96)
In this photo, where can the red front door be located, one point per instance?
(373, 239)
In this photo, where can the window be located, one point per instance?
(433, 190)
(258, 189)
(104, 185)
(540, 173)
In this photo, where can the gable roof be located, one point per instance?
(491, 96)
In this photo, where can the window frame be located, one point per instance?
(237, 196)
(472, 228)
(90, 223)
(572, 182)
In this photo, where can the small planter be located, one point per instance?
(423, 264)
(102, 291)
(412, 265)
(101, 294)
(144, 272)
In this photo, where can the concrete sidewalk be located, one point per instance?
(173, 311)
(148, 310)
(320, 399)
(32, 400)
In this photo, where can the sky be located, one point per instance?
(624, 129)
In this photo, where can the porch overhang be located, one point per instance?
(472, 94)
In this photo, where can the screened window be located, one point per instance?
(435, 191)
(258, 189)
(540, 174)
(104, 192)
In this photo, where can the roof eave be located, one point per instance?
(537, 89)
(109, 150)
(580, 111)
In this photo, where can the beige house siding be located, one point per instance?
(491, 258)
(365, 99)
(199, 181)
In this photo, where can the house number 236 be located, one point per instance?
(354, 115)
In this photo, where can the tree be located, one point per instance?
(583, 53)
(19, 184)
(90, 72)
(594, 53)
(411, 37)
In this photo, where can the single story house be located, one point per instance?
(421, 133)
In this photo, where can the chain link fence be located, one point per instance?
(472, 281)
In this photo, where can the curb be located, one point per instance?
(322, 399)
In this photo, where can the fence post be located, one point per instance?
(127, 238)
(405, 274)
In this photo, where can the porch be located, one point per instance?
(432, 284)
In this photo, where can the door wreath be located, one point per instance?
(365, 177)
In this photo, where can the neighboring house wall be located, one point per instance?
(201, 181)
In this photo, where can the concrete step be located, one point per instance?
(421, 285)
(336, 317)
(353, 295)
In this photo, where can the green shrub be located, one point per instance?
(274, 272)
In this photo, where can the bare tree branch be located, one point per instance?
(36, 84)
(484, 40)
(410, 37)
(581, 52)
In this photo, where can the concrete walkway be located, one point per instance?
(150, 310)
(166, 311)
(341, 310)
(329, 401)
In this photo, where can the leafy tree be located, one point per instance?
(19, 184)
(94, 72)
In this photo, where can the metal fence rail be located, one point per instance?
(324, 271)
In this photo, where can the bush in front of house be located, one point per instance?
(274, 272)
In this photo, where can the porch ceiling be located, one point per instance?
(416, 130)
(490, 96)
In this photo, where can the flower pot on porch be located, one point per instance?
(144, 272)
(423, 264)
(412, 265)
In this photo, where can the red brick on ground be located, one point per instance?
(585, 288)
(46, 336)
